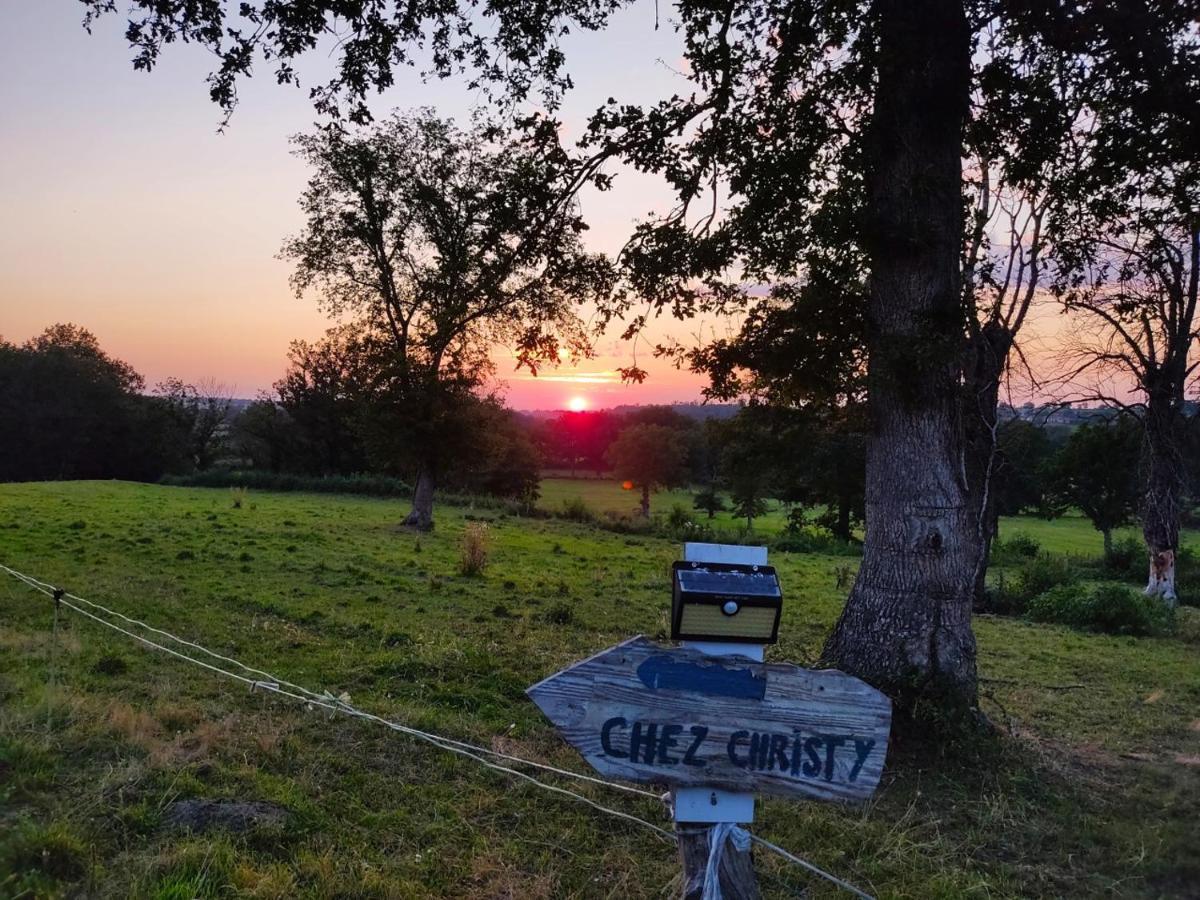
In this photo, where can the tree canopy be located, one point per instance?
(445, 243)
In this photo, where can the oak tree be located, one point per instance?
(446, 243)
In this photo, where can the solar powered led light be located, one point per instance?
(725, 602)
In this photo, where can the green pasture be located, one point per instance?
(605, 495)
(1072, 534)
(1089, 788)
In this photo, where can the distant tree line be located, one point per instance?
(70, 410)
(326, 417)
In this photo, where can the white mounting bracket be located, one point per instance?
(701, 804)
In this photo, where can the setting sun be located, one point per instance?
(577, 404)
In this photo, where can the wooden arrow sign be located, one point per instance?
(677, 717)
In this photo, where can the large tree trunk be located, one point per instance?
(907, 623)
(1162, 462)
(646, 501)
(421, 515)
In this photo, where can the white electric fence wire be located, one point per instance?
(269, 678)
(328, 701)
(805, 864)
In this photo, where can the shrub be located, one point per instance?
(577, 510)
(1042, 573)
(1108, 607)
(1187, 625)
(679, 517)
(1000, 599)
(1127, 559)
(475, 546)
(811, 539)
(1187, 577)
(1009, 595)
(709, 501)
(1019, 546)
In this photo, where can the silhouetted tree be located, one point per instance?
(72, 411)
(652, 457)
(1096, 472)
(447, 242)
(1023, 452)
(709, 500)
(323, 391)
(201, 409)
(266, 434)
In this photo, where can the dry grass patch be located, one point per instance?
(272, 882)
(494, 878)
(134, 726)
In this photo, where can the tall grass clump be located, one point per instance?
(475, 548)
(238, 495)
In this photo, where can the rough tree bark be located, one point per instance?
(906, 626)
(1162, 490)
(986, 356)
(421, 514)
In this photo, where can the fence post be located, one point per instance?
(735, 875)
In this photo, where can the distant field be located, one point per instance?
(607, 495)
(1072, 534)
(1096, 795)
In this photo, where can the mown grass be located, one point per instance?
(605, 495)
(1093, 793)
(1072, 534)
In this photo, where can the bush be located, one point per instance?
(1187, 577)
(475, 547)
(369, 485)
(1000, 598)
(810, 539)
(1107, 607)
(1042, 573)
(1010, 595)
(679, 517)
(1019, 546)
(1127, 559)
(577, 510)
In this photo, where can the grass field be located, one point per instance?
(1093, 792)
(1072, 534)
(604, 495)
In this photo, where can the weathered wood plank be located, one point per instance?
(676, 717)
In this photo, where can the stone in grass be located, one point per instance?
(230, 815)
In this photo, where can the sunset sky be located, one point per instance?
(126, 212)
